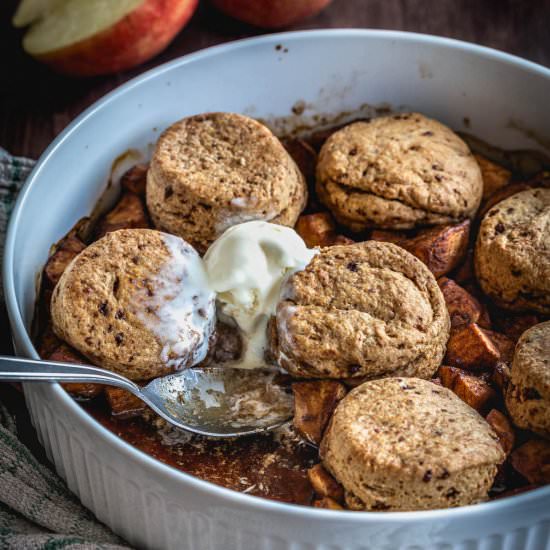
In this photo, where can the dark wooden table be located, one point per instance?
(35, 104)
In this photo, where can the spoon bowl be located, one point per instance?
(212, 401)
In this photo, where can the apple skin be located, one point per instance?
(271, 14)
(132, 40)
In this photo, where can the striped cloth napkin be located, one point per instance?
(37, 510)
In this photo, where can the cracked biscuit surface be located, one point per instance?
(369, 309)
(528, 391)
(512, 254)
(398, 172)
(130, 303)
(400, 444)
(212, 171)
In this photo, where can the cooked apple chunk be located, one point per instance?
(472, 390)
(494, 176)
(327, 503)
(319, 230)
(532, 461)
(471, 349)
(314, 403)
(78, 390)
(123, 403)
(128, 213)
(67, 249)
(135, 179)
(503, 428)
(324, 484)
(441, 248)
(463, 308)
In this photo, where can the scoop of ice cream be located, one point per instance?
(246, 266)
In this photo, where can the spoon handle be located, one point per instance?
(19, 369)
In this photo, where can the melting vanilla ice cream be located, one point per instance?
(246, 267)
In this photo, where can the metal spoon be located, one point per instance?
(211, 401)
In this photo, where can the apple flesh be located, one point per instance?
(271, 14)
(93, 37)
(29, 11)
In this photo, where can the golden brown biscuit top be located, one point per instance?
(415, 427)
(224, 157)
(407, 158)
(522, 223)
(366, 309)
(136, 301)
(378, 279)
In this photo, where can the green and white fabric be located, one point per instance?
(37, 511)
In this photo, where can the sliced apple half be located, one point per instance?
(92, 37)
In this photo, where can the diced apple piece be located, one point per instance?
(316, 229)
(319, 230)
(463, 308)
(123, 403)
(447, 375)
(472, 390)
(135, 179)
(92, 37)
(532, 461)
(504, 345)
(66, 354)
(128, 213)
(465, 273)
(503, 428)
(471, 349)
(324, 484)
(67, 249)
(494, 176)
(475, 392)
(327, 503)
(314, 403)
(395, 237)
(441, 248)
(304, 156)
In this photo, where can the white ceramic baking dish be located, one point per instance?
(503, 99)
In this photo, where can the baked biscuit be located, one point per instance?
(528, 391)
(398, 172)
(215, 170)
(136, 302)
(402, 444)
(368, 309)
(512, 254)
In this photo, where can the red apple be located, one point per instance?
(92, 37)
(271, 14)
